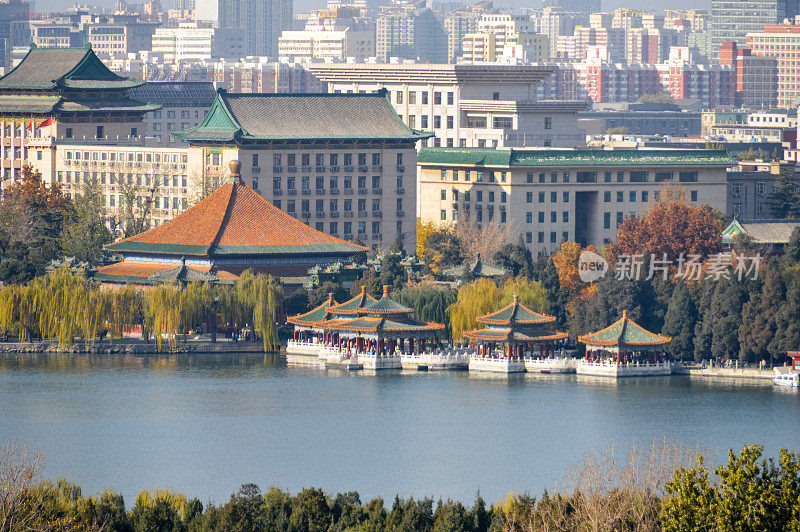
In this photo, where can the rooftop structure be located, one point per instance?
(228, 232)
(183, 104)
(773, 233)
(475, 268)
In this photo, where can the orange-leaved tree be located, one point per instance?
(566, 262)
(671, 226)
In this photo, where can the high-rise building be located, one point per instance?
(14, 28)
(459, 23)
(584, 7)
(185, 5)
(780, 41)
(260, 21)
(755, 77)
(732, 20)
(411, 32)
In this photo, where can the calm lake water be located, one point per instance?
(205, 424)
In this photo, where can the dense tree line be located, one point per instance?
(67, 307)
(651, 490)
(39, 224)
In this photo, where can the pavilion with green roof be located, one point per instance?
(624, 348)
(508, 335)
(66, 84)
(474, 269)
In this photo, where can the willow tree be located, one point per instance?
(260, 298)
(126, 309)
(164, 310)
(474, 299)
(201, 303)
(532, 294)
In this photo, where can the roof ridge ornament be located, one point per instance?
(236, 168)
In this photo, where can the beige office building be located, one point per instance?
(549, 196)
(466, 105)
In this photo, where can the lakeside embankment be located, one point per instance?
(225, 345)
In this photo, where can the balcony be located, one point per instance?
(348, 168)
(401, 214)
(363, 168)
(348, 192)
(291, 192)
(291, 169)
(401, 168)
(348, 214)
(306, 192)
(277, 192)
(256, 169)
(277, 169)
(362, 214)
(334, 169)
(320, 192)
(377, 214)
(305, 169)
(334, 192)
(334, 214)
(320, 168)
(377, 191)
(320, 214)
(347, 236)
(362, 191)
(377, 168)
(400, 191)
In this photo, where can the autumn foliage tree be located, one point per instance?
(566, 262)
(670, 226)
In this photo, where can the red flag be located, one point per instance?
(30, 127)
(47, 122)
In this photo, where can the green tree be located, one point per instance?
(516, 259)
(474, 299)
(726, 308)
(86, 230)
(430, 302)
(244, 511)
(758, 325)
(392, 271)
(783, 202)
(319, 295)
(442, 250)
(680, 322)
(749, 495)
(277, 509)
(787, 319)
(310, 512)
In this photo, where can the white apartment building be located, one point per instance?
(466, 105)
(188, 42)
(338, 45)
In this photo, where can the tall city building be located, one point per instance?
(780, 41)
(14, 28)
(411, 32)
(732, 20)
(260, 21)
(185, 5)
(459, 23)
(584, 7)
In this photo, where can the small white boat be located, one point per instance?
(784, 376)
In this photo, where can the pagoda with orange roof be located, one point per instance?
(510, 334)
(624, 349)
(231, 230)
(375, 333)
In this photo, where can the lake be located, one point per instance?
(205, 424)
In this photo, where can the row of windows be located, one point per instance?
(171, 113)
(347, 228)
(333, 205)
(738, 188)
(540, 237)
(165, 203)
(580, 177)
(129, 156)
(333, 182)
(423, 97)
(319, 159)
(478, 214)
(130, 179)
(553, 217)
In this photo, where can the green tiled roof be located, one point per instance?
(243, 117)
(386, 305)
(51, 68)
(515, 313)
(551, 157)
(624, 332)
(183, 274)
(477, 268)
(766, 232)
(355, 303)
(315, 315)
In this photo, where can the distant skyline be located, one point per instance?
(306, 5)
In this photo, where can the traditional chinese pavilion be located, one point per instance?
(231, 230)
(623, 349)
(510, 333)
(373, 332)
(474, 269)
